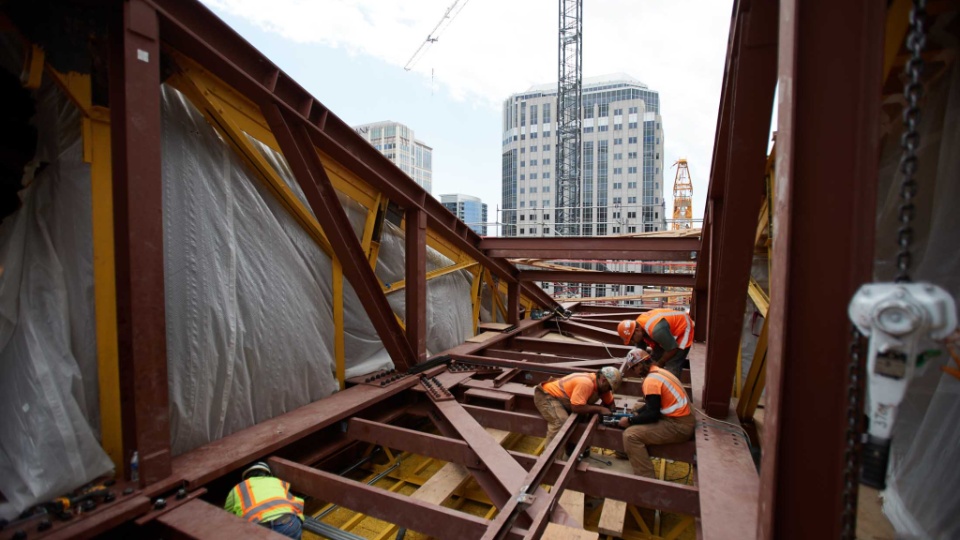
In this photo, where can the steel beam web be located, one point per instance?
(569, 96)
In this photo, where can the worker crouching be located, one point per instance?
(575, 393)
(668, 333)
(266, 500)
(665, 417)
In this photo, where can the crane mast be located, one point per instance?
(682, 197)
(569, 94)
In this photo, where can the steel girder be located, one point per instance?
(194, 30)
(826, 179)
(735, 192)
(590, 247)
(616, 278)
(312, 177)
(134, 90)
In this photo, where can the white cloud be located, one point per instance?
(497, 47)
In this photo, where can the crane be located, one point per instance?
(682, 197)
(448, 16)
(569, 104)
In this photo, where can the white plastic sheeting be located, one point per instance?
(923, 479)
(48, 364)
(248, 304)
(449, 307)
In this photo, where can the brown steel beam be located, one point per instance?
(545, 502)
(588, 311)
(635, 490)
(415, 442)
(581, 350)
(737, 204)
(614, 248)
(415, 242)
(305, 163)
(200, 34)
(827, 165)
(589, 331)
(621, 278)
(429, 519)
(200, 520)
(513, 303)
(100, 520)
(210, 461)
(134, 92)
(524, 357)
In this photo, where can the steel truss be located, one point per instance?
(730, 500)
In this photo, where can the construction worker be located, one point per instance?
(266, 500)
(575, 393)
(668, 332)
(665, 416)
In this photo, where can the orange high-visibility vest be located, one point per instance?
(681, 325)
(261, 498)
(673, 398)
(564, 388)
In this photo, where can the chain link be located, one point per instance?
(909, 143)
(852, 442)
(910, 140)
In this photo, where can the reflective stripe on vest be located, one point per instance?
(680, 396)
(254, 510)
(657, 317)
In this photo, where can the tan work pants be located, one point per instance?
(552, 410)
(667, 430)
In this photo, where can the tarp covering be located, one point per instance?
(923, 478)
(49, 398)
(248, 303)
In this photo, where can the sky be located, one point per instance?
(350, 54)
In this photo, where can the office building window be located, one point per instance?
(533, 189)
(588, 130)
(632, 140)
(631, 155)
(546, 175)
(630, 170)
(632, 110)
(523, 231)
(633, 125)
(617, 157)
(533, 163)
(631, 200)
(631, 214)
(631, 185)
(617, 185)
(618, 170)
(617, 141)
(533, 230)
(523, 217)
(533, 148)
(533, 176)
(546, 161)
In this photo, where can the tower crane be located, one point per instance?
(569, 103)
(682, 197)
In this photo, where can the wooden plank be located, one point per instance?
(482, 337)
(494, 326)
(572, 501)
(445, 482)
(555, 531)
(612, 517)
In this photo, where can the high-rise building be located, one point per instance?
(469, 209)
(621, 159)
(397, 142)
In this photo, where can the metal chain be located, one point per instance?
(909, 143)
(910, 140)
(852, 442)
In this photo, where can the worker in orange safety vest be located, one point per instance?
(266, 500)
(668, 332)
(664, 417)
(575, 393)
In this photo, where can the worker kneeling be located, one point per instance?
(575, 393)
(266, 500)
(665, 416)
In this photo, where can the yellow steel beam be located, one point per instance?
(33, 68)
(95, 129)
(759, 297)
(497, 304)
(475, 295)
(756, 378)
(230, 130)
(339, 352)
(898, 20)
(402, 284)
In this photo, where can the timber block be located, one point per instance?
(612, 517)
(555, 531)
